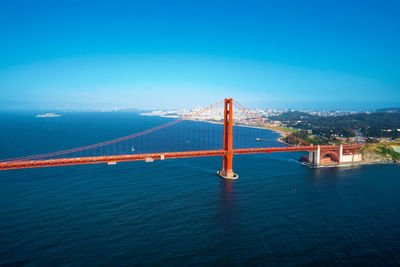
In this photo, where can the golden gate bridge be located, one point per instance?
(226, 133)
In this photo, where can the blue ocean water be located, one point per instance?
(178, 212)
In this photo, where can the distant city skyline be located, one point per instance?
(330, 55)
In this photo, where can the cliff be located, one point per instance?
(381, 152)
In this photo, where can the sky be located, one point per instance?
(181, 54)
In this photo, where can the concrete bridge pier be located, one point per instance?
(314, 156)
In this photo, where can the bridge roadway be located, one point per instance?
(8, 165)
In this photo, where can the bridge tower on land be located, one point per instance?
(227, 158)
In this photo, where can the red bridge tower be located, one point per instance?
(227, 171)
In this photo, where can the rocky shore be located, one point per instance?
(381, 152)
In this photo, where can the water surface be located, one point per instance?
(178, 212)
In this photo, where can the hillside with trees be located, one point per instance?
(376, 124)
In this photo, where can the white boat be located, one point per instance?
(47, 115)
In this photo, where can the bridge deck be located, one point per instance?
(135, 157)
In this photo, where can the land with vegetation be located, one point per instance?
(379, 130)
(382, 152)
(330, 129)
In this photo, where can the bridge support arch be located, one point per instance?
(329, 157)
(227, 171)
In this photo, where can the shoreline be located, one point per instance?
(358, 163)
(280, 132)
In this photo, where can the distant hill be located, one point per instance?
(389, 110)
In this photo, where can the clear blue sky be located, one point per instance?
(174, 54)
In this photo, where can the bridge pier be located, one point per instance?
(332, 155)
(314, 156)
(227, 172)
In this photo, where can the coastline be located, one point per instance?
(280, 132)
(358, 163)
